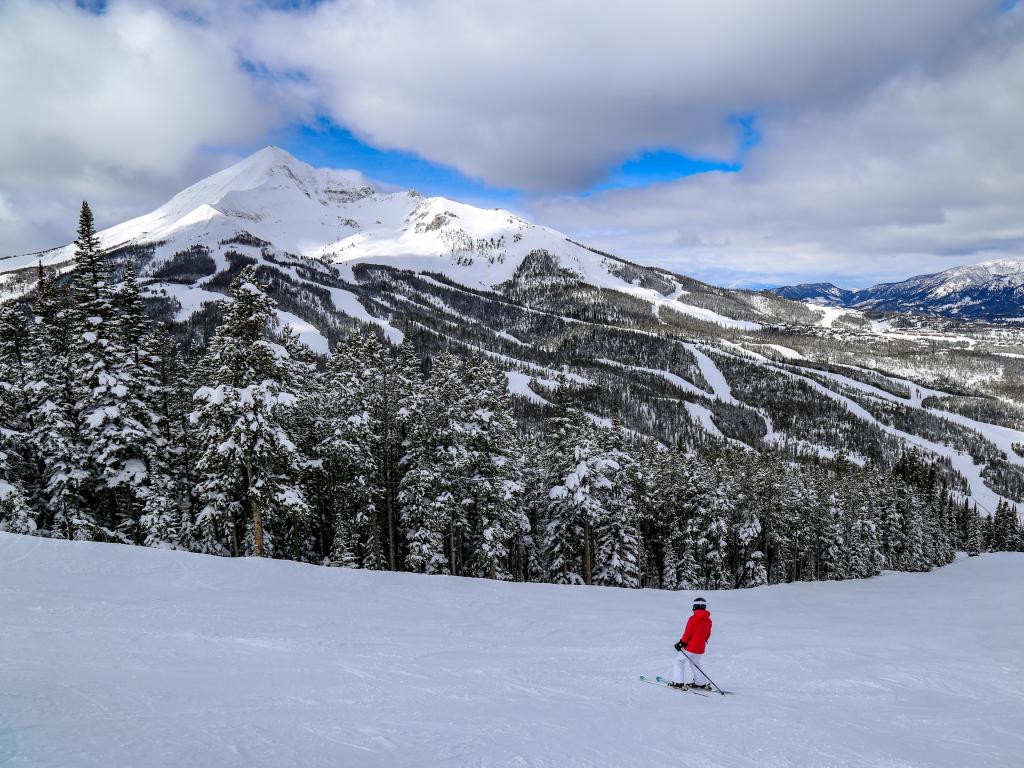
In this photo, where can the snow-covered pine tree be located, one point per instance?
(648, 473)
(248, 465)
(674, 492)
(570, 443)
(863, 551)
(829, 531)
(746, 541)
(338, 430)
(16, 459)
(129, 441)
(616, 533)
(972, 542)
(493, 473)
(432, 492)
(168, 509)
(107, 398)
(1005, 529)
(528, 562)
(386, 386)
(708, 510)
(56, 433)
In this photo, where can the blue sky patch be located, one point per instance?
(328, 144)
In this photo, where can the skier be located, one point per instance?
(691, 647)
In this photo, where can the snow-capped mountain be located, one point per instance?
(668, 356)
(271, 202)
(987, 290)
(338, 217)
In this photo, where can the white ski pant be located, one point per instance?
(684, 660)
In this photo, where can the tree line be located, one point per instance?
(379, 457)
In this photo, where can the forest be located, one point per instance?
(415, 458)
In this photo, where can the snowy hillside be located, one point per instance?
(123, 656)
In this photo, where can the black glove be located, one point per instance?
(679, 645)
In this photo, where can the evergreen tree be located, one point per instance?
(17, 454)
(973, 525)
(570, 451)
(433, 490)
(248, 465)
(493, 473)
(57, 434)
(616, 533)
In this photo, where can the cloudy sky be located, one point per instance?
(745, 142)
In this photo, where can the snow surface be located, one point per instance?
(190, 297)
(307, 333)
(673, 379)
(829, 315)
(787, 352)
(519, 384)
(712, 375)
(123, 656)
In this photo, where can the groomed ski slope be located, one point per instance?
(122, 656)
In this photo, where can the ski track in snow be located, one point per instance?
(698, 413)
(712, 375)
(348, 302)
(704, 417)
(672, 378)
(190, 297)
(124, 656)
(307, 333)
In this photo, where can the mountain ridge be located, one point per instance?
(986, 290)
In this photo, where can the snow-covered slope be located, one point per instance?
(122, 656)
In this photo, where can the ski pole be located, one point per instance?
(688, 656)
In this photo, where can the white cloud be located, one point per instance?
(541, 95)
(121, 108)
(891, 131)
(925, 173)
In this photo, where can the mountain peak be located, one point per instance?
(265, 161)
(816, 293)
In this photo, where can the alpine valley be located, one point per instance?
(647, 429)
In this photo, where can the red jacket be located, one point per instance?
(697, 632)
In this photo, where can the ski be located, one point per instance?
(663, 681)
(664, 684)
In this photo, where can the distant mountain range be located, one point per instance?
(988, 290)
